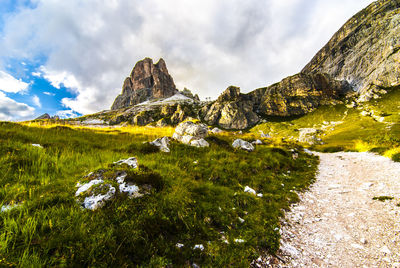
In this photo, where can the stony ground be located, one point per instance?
(337, 223)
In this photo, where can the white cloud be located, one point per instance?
(10, 84)
(207, 44)
(37, 74)
(12, 110)
(49, 93)
(36, 101)
(58, 79)
(67, 114)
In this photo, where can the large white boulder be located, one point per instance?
(191, 134)
(244, 145)
(192, 129)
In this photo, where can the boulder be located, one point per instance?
(190, 128)
(130, 162)
(199, 143)
(216, 130)
(191, 134)
(257, 142)
(244, 145)
(162, 144)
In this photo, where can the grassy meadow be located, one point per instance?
(346, 129)
(200, 198)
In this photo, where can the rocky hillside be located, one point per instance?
(147, 81)
(361, 60)
(365, 51)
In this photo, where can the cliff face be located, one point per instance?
(298, 94)
(294, 95)
(365, 51)
(147, 81)
(232, 110)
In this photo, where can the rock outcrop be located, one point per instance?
(232, 110)
(298, 94)
(365, 51)
(294, 95)
(244, 145)
(43, 116)
(147, 81)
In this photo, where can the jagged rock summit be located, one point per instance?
(365, 51)
(147, 81)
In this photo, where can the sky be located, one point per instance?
(70, 58)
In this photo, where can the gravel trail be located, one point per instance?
(337, 223)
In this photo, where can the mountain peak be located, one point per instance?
(147, 81)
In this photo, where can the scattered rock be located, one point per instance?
(199, 143)
(37, 145)
(308, 135)
(131, 162)
(199, 246)
(257, 142)
(267, 136)
(162, 144)
(239, 241)
(179, 245)
(247, 189)
(216, 130)
(244, 145)
(5, 208)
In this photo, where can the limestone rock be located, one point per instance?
(199, 143)
(232, 110)
(298, 94)
(189, 128)
(147, 81)
(216, 130)
(244, 145)
(365, 51)
(162, 144)
(191, 134)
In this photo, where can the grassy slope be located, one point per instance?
(198, 204)
(355, 132)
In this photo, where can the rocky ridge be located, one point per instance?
(361, 60)
(365, 51)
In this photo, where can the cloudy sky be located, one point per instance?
(71, 57)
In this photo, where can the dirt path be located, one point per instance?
(337, 223)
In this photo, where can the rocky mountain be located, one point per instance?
(365, 51)
(361, 60)
(294, 95)
(147, 81)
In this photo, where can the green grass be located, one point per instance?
(383, 198)
(198, 199)
(352, 131)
